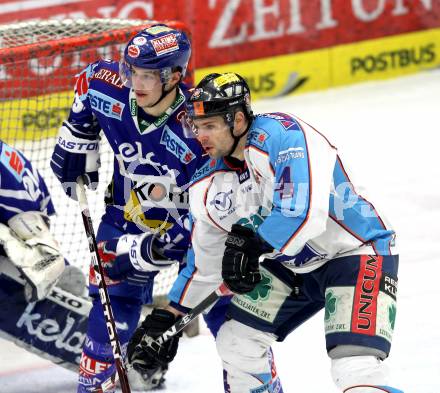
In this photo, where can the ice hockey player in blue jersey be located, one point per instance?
(137, 104)
(276, 217)
(33, 290)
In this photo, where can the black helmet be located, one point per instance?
(220, 95)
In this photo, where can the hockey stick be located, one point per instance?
(103, 292)
(222, 290)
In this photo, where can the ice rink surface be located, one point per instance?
(388, 134)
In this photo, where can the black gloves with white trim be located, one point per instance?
(143, 352)
(240, 265)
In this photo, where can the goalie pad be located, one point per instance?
(53, 328)
(31, 248)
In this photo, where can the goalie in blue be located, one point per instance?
(137, 104)
(36, 288)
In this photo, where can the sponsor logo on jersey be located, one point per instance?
(365, 297)
(12, 161)
(82, 83)
(258, 137)
(245, 175)
(110, 77)
(284, 119)
(262, 290)
(89, 366)
(222, 201)
(176, 146)
(106, 105)
(205, 169)
(388, 285)
(165, 44)
(291, 153)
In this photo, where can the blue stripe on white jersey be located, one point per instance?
(178, 290)
(288, 155)
(356, 215)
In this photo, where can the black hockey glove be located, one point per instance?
(240, 265)
(144, 356)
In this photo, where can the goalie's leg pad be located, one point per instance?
(27, 324)
(247, 359)
(97, 362)
(351, 371)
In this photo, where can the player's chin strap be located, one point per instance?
(237, 137)
(165, 93)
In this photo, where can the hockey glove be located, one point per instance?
(240, 265)
(134, 258)
(33, 251)
(143, 352)
(75, 154)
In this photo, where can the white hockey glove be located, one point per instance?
(31, 248)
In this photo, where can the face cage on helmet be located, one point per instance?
(125, 73)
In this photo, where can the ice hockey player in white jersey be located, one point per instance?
(33, 275)
(276, 217)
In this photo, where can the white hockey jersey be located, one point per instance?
(293, 191)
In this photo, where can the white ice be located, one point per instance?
(388, 133)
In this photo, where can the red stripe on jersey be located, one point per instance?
(363, 320)
(185, 289)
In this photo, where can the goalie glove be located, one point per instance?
(75, 154)
(30, 247)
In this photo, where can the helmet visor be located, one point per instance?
(188, 126)
(139, 78)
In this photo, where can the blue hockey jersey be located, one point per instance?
(153, 161)
(21, 186)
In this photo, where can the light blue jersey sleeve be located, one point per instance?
(289, 159)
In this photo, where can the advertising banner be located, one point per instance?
(280, 46)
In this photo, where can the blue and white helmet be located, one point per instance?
(158, 47)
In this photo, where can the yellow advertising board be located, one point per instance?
(39, 117)
(34, 118)
(385, 57)
(280, 75)
(339, 65)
